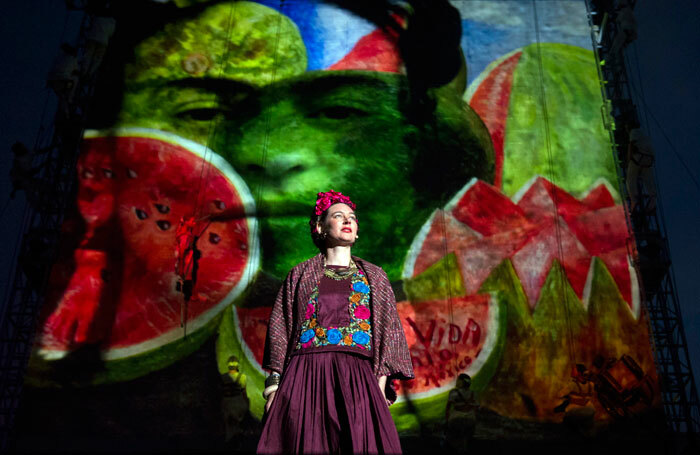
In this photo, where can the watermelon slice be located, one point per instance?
(542, 223)
(519, 248)
(447, 337)
(118, 292)
(540, 83)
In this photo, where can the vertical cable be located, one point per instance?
(550, 161)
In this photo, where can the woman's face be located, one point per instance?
(340, 226)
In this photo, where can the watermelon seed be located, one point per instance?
(163, 224)
(219, 204)
(141, 214)
(214, 238)
(131, 173)
(108, 173)
(162, 208)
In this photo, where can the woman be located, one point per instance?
(334, 340)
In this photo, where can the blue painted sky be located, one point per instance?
(492, 29)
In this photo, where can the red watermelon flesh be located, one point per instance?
(491, 100)
(478, 259)
(612, 234)
(487, 210)
(599, 198)
(134, 188)
(445, 338)
(544, 199)
(534, 259)
(76, 311)
(252, 323)
(445, 234)
(546, 223)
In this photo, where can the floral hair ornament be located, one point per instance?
(324, 200)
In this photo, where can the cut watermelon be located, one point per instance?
(560, 268)
(482, 227)
(135, 185)
(541, 104)
(446, 338)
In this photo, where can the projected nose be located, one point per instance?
(279, 167)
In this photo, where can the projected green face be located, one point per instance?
(291, 133)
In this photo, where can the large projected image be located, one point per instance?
(489, 199)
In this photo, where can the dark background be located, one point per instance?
(663, 64)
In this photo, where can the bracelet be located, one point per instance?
(273, 379)
(269, 390)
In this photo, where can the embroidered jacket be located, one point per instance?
(390, 356)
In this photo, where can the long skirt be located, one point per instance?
(329, 402)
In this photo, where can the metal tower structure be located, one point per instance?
(679, 394)
(55, 152)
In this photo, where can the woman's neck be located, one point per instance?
(338, 255)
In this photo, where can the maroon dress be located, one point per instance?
(329, 401)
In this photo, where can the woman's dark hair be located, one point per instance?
(318, 239)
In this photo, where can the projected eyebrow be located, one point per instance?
(339, 81)
(211, 97)
(212, 84)
(343, 96)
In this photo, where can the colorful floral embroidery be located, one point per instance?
(334, 336)
(361, 312)
(306, 335)
(357, 334)
(360, 338)
(309, 310)
(360, 286)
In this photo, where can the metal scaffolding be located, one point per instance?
(55, 152)
(679, 394)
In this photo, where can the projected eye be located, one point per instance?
(338, 113)
(203, 114)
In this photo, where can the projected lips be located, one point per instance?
(135, 185)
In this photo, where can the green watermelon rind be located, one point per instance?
(127, 368)
(418, 241)
(430, 405)
(165, 349)
(256, 375)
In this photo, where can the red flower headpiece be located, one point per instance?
(324, 200)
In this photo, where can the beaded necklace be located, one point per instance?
(342, 274)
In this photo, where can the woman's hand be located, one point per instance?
(268, 403)
(382, 386)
